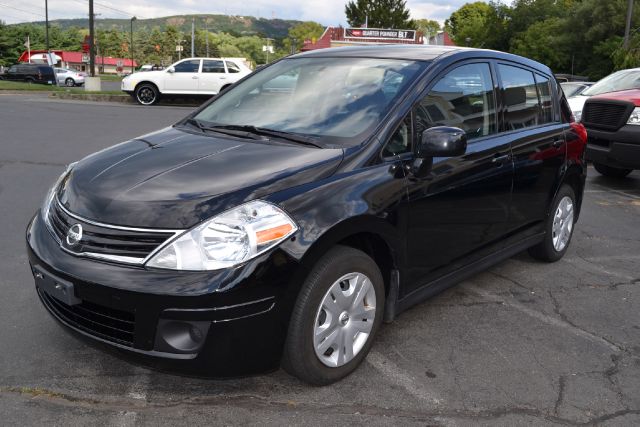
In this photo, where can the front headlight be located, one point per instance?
(634, 118)
(228, 239)
(46, 205)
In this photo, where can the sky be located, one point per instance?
(327, 12)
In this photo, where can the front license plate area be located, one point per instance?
(58, 288)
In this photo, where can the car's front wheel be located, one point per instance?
(69, 82)
(146, 94)
(335, 318)
(611, 171)
(559, 227)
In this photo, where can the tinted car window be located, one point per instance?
(190, 66)
(520, 95)
(233, 68)
(400, 141)
(546, 105)
(212, 66)
(13, 69)
(462, 98)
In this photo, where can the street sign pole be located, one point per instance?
(92, 48)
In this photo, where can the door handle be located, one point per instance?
(194, 77)
(557, 142)
(223, 78)
(499, 159)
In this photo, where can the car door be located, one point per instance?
(184, 78)
(213, 76)
(536, 133)
(459, 210)
(12, 73)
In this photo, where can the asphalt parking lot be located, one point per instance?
(525, 343)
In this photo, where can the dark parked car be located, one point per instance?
(283, 227)
(613, 121)
(30, 73)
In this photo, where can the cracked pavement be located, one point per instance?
(524, 343)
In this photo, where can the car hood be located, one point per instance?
(631, 95)
(576, 103)
(175, 179)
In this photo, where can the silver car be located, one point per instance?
(69, 78)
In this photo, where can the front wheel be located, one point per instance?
(558, 227)
(146, 94)
(335, 318)
(69, 82)
(611, 171)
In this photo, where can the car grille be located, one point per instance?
(103, 322)
(121, 244)
(606, 115)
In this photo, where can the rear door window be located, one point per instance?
(520, 97)
(546, 103)
(212, 66)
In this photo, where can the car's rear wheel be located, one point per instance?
(611, 171)
(559, 227)
(30, 80)
(146, 94)
(335, 318)
(69, 82)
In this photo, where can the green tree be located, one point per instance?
(468, 26)
(378, 13)
(305, 31)
(428, 27)
(546, 42)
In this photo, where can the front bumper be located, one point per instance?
(620, 149)
(221, 324)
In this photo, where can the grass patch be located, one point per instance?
(110, 78)
(4, 85)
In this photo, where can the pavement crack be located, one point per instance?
(562, 384)
(29, 162)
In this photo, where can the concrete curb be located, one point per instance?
(96, 97)
(124, 99)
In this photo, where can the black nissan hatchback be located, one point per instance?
(281, 227)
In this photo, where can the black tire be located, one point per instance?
(611, 171)
(30, 80)
(146, 94)
(300, 359)
(69, 82)
(546, 250)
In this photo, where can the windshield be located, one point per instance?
(621, 80)
(336, 100)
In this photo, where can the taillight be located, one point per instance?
(581, 131)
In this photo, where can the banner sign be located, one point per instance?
(376, 33)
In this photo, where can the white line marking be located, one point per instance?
(401, 378)
(550, 320)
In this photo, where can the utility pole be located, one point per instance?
(92, 45)
(193, 37)
(46, 23)
(132, 19)
(628, 27)
(206, 34)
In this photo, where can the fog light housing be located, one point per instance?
(181, 336)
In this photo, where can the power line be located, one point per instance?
(21, 10)
(104, 6)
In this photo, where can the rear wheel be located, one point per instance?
(30, 80)
(559, 227)
(336, 316)
(611, 171)
(69, 82)
(146, 94)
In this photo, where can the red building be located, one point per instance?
(80, 62)
(339, 36)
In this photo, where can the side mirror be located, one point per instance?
(442, 141)
(438, 141)
(171, 70)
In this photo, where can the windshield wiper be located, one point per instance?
(242, 133)
(289, 136)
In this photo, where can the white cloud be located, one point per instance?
(327, 12)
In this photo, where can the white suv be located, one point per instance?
(190, 76)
